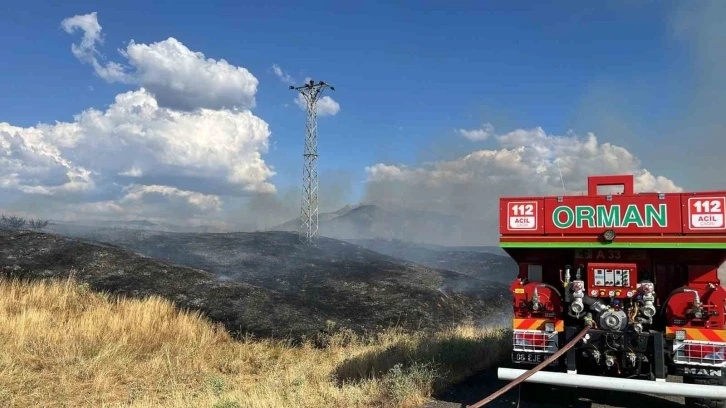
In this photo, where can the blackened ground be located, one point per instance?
(32, 255)
(265, 283)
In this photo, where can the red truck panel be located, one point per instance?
(587, 215)
(636, 218)
(704, 213)
(521, 216)
(640, 214)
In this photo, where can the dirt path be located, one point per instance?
(479, 387)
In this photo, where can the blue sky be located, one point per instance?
(407, 76)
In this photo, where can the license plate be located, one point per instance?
(532, 358)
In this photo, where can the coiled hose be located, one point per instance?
(531, 372)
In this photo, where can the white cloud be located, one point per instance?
(151, 202)
(326, 106)
(526, 163)
(136, 194)
(87, 23)
(174, 149)
(31, 161)
(284, 76)
(86, 51)
(132, 172)
(113, 162)
(486, 131)
(135, 137)
(178, 77)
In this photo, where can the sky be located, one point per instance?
(182, 112)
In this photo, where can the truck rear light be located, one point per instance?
(710, 352)
(531, 339)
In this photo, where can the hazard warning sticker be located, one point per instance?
(707, 213)
(522, 215)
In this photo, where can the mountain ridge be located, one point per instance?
(371, 221)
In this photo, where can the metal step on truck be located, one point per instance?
(643, 272)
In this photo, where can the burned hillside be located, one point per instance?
(264, 283)
(476, 262)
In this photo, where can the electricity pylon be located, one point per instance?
(309, 209)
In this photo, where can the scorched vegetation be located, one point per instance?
(266, 282)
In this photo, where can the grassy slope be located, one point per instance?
(62, 344)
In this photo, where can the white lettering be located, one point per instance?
(523, 209)
(702, 371)
(713, 206)
(707, 213)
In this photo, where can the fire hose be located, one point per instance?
(531, 372)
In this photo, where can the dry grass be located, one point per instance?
(62, 345)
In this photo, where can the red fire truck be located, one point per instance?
(643, 271)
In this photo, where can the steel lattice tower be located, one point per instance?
(309, 209)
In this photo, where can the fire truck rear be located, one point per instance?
(643, 272)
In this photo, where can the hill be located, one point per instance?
(132, 224)
(480, 262)
(371, 221)
(294, 225)
(32, 255)
(267, 283)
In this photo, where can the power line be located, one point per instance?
(309, 207)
